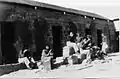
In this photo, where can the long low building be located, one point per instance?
(32, 24)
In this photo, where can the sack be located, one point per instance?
(74, 59)
(66, 51)
(33, 65)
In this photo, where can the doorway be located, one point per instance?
(87, 31)
(9, 52)
(99, 38)
(117, 41)
(40, 26)
(57, 37)
(73, 27)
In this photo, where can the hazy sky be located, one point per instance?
(106, 8)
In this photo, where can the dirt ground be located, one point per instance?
(104, 70)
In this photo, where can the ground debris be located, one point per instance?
(98, 68)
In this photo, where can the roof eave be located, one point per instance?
(54, 7)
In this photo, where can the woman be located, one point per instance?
(104, 44)
(27, 59)
(46, 58)
(71, 42)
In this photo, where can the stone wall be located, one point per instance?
(38, 18)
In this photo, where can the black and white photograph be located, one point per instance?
(60, 39)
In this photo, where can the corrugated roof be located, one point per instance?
(45, 5)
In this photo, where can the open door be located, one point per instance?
(9, 52)
(57, 34)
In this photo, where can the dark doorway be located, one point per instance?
(39, 36)
(24, 33)
(9, 52)
(99, 38)
(73, 27)
(117, 41)
(57, 47)
(87, 31)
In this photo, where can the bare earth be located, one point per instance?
(109, 70)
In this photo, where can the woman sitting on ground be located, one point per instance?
(46, 58)
(46, 53)
(27, 59)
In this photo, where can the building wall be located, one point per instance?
(26, 17)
